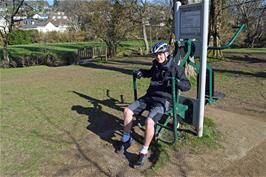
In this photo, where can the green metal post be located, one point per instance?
(189, 43)
(210, 84)
(135, 88)
(174, 109)
(230, 42)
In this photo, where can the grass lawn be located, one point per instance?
(67, 48)
(38, 117)
(45, 111)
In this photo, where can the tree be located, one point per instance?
(117, 27)
(106, 20)
(165, 10)
(215, 26)
(139, 15)
(11, 9)
(251, 13)
(77, 11)
(56, 3)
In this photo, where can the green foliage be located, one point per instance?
(162, 150)
(160, 156)
(23, 37)
(19, 37)
(55, 4)
(211, 137)
(66, 50)
(190, 142)
(55, 37)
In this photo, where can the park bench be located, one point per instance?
(87, 54)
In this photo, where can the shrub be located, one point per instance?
(23, 37)
(53, 37)
(48, 58)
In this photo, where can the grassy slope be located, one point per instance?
(59, 48)
(37, 120)
(125, 48)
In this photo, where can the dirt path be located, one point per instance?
(253, 164)
(242, 153)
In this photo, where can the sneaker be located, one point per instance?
(141, 159)
(123, 146)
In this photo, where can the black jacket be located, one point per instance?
(160, 86)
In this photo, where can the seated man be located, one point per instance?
(157, 100)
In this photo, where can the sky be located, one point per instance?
(50, 2)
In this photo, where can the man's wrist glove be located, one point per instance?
(137, 74)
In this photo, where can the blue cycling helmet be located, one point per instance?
(159, 47)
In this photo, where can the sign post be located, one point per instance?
(192, 23)
(203, 65)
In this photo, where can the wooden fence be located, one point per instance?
(89, 53)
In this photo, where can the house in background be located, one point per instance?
(40, 16)
(61, 24)
(46, 26)
(55, 21)
(58, 15)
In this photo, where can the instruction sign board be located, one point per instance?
(188, 24)
(191, 22)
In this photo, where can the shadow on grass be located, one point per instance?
(149, 63)
(101, 123)
(71, 140)
(105, 67)
(246, 58)
(104, 124)
(257, 74)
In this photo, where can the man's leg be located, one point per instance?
(126, 138)
(135, 107)
(149, 133)
(128, 117)
(155, 115)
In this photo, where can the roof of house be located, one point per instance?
(42, 15)
(60, 22)
(55, 22)
(35, 24)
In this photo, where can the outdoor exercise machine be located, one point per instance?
(191, 30)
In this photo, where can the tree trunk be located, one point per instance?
(5, 50)
(147, 49)
(111, 49)
(215, 28)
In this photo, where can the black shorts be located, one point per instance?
(156, 109)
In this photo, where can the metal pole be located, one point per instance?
(177, 20)
(177, 28)
(203, 64)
